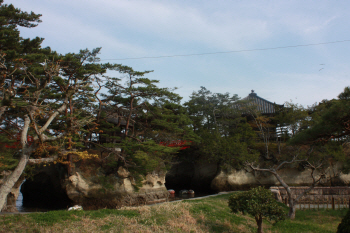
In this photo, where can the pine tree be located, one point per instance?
(141, 118)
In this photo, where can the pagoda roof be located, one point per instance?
(264, 106)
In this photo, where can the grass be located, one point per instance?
(200, 215)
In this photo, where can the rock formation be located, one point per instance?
(242, 180)
(115, 190)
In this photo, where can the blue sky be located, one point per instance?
(133, 29)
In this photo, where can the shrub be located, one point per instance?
(258, 202)
(344, 225)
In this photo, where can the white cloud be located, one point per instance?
(128, 28)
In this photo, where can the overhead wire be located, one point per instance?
(223, 52)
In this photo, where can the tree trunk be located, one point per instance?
(10, 181)
(291, 213)
(259, 223)
(10, 205)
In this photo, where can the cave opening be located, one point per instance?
(43, 192)
(189, 175)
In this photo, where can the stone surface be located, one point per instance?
(94, 190)
(85, 183)
(241, 179)
(122, 172)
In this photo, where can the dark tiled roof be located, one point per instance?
(263, 105)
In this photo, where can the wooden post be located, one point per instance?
(318, 204)
(344, 204)
(327, 202)
(333, 205)
(309, 204)
(339, 202)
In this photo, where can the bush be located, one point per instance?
(258, 202)
(344, 226)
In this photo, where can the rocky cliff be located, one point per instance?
(241, 179)
(115, 190)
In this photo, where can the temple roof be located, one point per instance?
(263, 105)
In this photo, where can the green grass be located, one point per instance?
(313, 221)
(52, 217)
(215, 213)
(201, 215)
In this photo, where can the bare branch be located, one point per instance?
(54, 115)
(50, 139)
(25, 131)
(43, 160)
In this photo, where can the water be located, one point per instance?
(19, 203)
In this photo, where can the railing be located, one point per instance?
(317, 198)
(335, 203)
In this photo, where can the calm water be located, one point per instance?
(19, 203)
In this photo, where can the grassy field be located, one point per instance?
(200, 215)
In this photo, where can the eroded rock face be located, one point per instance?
(242, 180)
(115, 190)
(59, 186)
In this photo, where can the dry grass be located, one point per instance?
(167, 217)
(205, 215)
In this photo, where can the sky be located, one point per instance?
(130, 30)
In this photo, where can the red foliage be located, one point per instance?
(16, 144)
(183, 144)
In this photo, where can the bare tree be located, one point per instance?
(318, 171)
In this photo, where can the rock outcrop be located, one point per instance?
(242, 180)
(114, 191)
(85, 183)
(93, 190)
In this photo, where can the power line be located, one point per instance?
(233, 51)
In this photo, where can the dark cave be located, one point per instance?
(44, 191)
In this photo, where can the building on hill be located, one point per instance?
(265, 126)
(264, 106)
